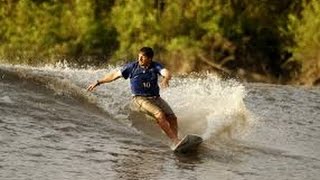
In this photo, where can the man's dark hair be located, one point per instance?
(147, 51)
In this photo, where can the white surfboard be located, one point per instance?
(189, 142)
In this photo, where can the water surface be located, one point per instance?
(51, 128)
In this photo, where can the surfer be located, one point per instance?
(143, 74)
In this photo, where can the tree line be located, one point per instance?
(271, 41)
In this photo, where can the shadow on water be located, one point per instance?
(156, 161)
(190, 157)
(207, 153)
(138, 162)
(147, 126)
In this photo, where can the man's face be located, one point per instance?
(143, 59)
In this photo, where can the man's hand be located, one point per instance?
(106, 79)
(164, 83)
(91, 87)
(166, 77)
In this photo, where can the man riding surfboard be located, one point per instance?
(143, 74)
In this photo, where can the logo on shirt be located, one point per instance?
(146, 84)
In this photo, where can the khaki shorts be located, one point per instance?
(151, 105)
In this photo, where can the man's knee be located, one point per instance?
(160, 116)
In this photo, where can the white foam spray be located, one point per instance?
(209, 106)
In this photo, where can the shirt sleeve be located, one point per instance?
(126, 70)
(159, 67)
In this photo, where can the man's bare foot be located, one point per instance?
(176, 141)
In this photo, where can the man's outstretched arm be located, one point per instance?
(106, 79)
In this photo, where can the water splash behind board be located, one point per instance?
(209, 106)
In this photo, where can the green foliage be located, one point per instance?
(195, 25)
(176, 32)
(35, 31)
(136, 23)
(275, 39)
(253, 27)
(306, 35)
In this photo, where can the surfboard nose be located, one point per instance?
(189, 142)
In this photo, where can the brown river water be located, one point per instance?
(51, 128)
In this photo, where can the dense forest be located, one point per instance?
(267, 40)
